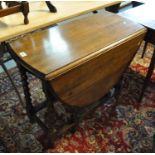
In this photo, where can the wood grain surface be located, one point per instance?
(82, 59)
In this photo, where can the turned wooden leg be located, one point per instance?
(25, 11)
(50, 117)
(148, 76)
(51, 7)
(29, 107)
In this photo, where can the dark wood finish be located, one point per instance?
(25, 11)
(44, 53)
(91, 80)
(14, 7)
(78, 63)
(23, 6)
(144, 15)
(9, 11)
(29, 106)
(76, 115)
(51, 7)
(113, 8)
(70, 78)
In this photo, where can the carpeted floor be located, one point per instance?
(129, 129)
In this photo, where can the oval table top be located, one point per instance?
(58, 49)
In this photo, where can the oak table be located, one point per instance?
(144, 15)
(78, 64)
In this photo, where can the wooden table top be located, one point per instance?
(143, 14)
(39, 16)
(60, 48)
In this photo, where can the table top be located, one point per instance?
(143, 14)
(39, 16)
(55, 50)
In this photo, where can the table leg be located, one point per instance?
(51, 7)
(148, 76)
(29, 107)
(31, 110)
(25, 11)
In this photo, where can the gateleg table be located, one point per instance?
(78, 62)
